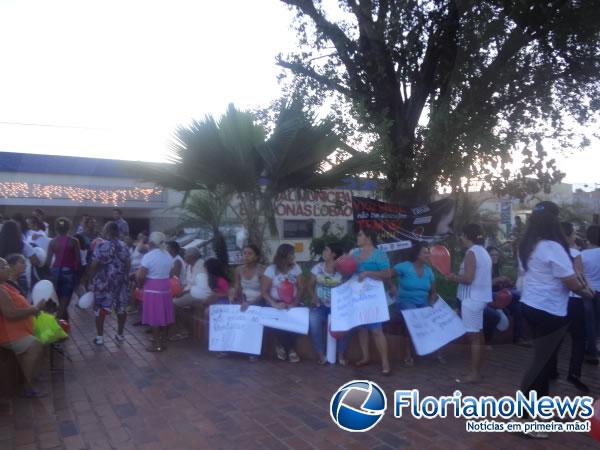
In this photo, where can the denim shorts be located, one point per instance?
(64, 279)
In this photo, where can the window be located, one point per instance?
(295, 229)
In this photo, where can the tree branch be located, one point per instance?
(300, 69)
(343, 44)
(441, 47)
(384, 8)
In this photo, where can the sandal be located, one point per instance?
(32, 393)
(155, 348)
(386, 373)
(342, 361)
(409, 362)
(362, 363)
(179, 337)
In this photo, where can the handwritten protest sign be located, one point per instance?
(357, 303)
(433, 327)
(231, 330)
(293, 319)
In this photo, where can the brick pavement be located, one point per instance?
(121, 397)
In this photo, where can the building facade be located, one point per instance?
(75, 186)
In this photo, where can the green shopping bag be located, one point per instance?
(46, 329)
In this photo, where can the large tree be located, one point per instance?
(450, 88)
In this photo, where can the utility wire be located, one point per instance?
(49, 125)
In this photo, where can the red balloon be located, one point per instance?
(595, 420)
(502, 299)
(175, 286)
(65, 325)
(346, 265)
(337, 334)
(285, 291)
(440, 259)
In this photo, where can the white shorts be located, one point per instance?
(472, 316)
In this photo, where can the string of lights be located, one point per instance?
(99, 195)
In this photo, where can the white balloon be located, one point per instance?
(40, 254)
(43, 290)
(86, 301)
(240, 238)
(504, 323)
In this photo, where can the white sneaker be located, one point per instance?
(294, 358)
(119, 337)
(99, 340)
(281, 353)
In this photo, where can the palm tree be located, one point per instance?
(235, 154)
(208, 209)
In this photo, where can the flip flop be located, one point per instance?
(362, 363)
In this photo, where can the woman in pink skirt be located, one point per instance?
(153, 275)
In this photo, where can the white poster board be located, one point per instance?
(293, 319)
(231, 330)
(357, 303)
(433, 327)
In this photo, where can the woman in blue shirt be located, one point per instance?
(372, 263)
(416, 288)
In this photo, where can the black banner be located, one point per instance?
(398, 225)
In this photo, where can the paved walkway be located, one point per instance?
(120, 396)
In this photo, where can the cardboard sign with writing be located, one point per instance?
(231, 330)
(433, 327)
(293, 319)
(357, 303)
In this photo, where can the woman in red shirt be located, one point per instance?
(67, 261)
(16, 321)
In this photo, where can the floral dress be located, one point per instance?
(110, 283)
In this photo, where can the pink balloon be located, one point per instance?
(285, 290)
(440, 259)
(346, 265)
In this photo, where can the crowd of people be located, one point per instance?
(556, 291)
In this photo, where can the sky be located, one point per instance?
(114, 79)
